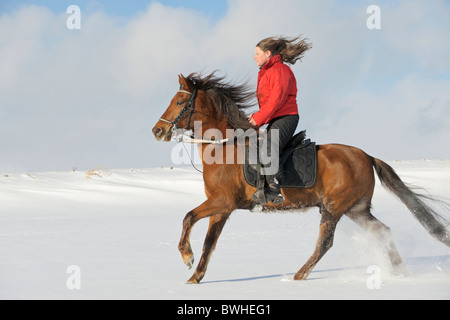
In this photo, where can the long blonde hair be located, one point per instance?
(290, 49)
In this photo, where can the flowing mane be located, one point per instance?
(229, 100)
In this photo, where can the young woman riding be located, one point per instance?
(277, 97)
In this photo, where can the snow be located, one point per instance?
(113, 234)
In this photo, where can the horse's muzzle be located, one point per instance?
(161, 133)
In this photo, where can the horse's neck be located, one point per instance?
(228, 153)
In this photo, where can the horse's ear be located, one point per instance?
(182, 81)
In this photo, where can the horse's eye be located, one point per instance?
(179, 103)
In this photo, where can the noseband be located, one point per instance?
(188, 109)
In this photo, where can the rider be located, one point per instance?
(277, 94)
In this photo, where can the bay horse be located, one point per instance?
(344, 186)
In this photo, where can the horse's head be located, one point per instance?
(179, 112)
(210, 100)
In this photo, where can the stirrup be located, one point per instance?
(273, 193)
(261, 197)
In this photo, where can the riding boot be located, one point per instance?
(272, 190)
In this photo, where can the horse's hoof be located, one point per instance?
(300, 277)
(400, 270)
(192, 281)
(190, 262)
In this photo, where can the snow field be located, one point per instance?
(121, 229)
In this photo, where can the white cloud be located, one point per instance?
(409, 121)
(91, 97)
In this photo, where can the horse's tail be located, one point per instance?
(435, 224)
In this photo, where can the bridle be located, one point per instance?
(188, 109)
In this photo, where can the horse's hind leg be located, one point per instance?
(362, 216)
(324, 243)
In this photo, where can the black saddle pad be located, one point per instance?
(298, 165)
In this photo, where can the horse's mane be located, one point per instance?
(229, 99)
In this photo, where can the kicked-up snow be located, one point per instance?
(113, 234)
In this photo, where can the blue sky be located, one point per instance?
(90, 98)
(213, 8)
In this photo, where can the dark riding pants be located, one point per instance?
(285, 127)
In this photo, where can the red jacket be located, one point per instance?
(276, 91)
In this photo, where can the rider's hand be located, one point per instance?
(252, 122)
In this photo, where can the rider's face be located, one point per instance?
(261, 57)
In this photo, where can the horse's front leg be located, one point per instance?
(216, 224)
(208, 208)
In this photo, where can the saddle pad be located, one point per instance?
(299, 167)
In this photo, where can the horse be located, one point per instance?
(344, 185)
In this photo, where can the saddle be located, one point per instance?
(297, 167)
